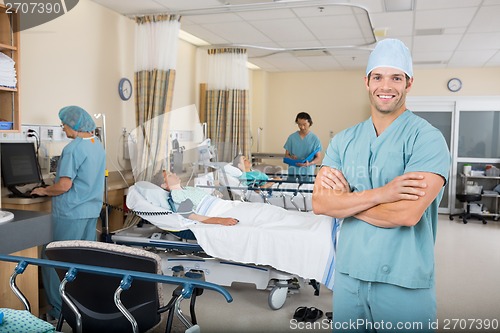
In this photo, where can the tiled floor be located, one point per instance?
(467, 278)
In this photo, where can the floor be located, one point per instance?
(467, 280)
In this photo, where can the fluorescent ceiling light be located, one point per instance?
(192, 39)
(185, 36)
(252, 66)
(398, 5)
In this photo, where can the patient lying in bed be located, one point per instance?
(250, 176)
(278, 191)
(257, 233)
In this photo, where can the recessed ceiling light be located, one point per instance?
(380, 32)
(192, 39)
(252, 66)
(429, 32)
(398, 5)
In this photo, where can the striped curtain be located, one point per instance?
(155, 54)
(227, 111)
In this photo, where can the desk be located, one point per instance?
(20, 237)
(117, 187)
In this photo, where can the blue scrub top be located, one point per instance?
(302, 147)
(401, 256)
(84, 162)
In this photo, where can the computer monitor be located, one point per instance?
(19, 164)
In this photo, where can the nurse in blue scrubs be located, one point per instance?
(303, 145)
(77, 192)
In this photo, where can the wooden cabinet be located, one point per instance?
(9, 96)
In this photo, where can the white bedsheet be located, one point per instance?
(300, 243)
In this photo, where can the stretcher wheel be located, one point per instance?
(277, 297)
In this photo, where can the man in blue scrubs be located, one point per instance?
(77, 192)
(385, 177)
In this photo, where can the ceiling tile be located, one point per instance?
(471, 30)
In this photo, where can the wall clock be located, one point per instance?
(454, 85)
(125, 89)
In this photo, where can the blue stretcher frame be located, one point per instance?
(127, 276)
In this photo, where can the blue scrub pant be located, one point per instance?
(64, 229)
(360, 306)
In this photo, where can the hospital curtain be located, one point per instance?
(227, 112)
(155, 55)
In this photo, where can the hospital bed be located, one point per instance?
(125, 279)
(287, 193)
(272, 259)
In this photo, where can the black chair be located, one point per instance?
(93, 295)
(469, 199)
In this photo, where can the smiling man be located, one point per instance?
(385, 177)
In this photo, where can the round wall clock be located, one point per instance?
(454, 85)
(125, 89)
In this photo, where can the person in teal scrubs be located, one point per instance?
(77, 192)
(385, 177)
(301, 145)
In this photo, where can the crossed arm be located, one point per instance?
(401, 202)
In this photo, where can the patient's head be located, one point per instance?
(242, 163)
(171, 181)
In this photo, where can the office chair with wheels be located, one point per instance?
(466, 214)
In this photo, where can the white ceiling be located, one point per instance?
(319, 35)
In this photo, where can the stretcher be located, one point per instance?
(285, 192)
(261, 249)
(73, 270)
(181, 256)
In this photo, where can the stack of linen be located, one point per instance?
(7, 71)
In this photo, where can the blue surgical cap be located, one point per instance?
(77, 118)
(390, 53)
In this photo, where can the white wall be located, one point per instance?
(338, 99)
(79, 58)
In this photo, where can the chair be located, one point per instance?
(468, 199)
(93, 294)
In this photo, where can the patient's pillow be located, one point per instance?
(232, 171)
(154, 194)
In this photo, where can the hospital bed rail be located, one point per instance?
(266, 192)
(188, 285)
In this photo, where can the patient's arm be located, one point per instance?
(404, 199)
(213, 220)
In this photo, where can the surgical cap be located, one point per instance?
(77, 118)
(390, 53)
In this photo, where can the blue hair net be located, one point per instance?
(390, 53)
(77, 118)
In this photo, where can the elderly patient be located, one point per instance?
(250, 176)
(193, 195)
(258, 233)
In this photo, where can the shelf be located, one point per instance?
(8, 89)
(10, 46)
(7, 47)
(479, 177)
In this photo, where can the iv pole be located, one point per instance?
(105, 223)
